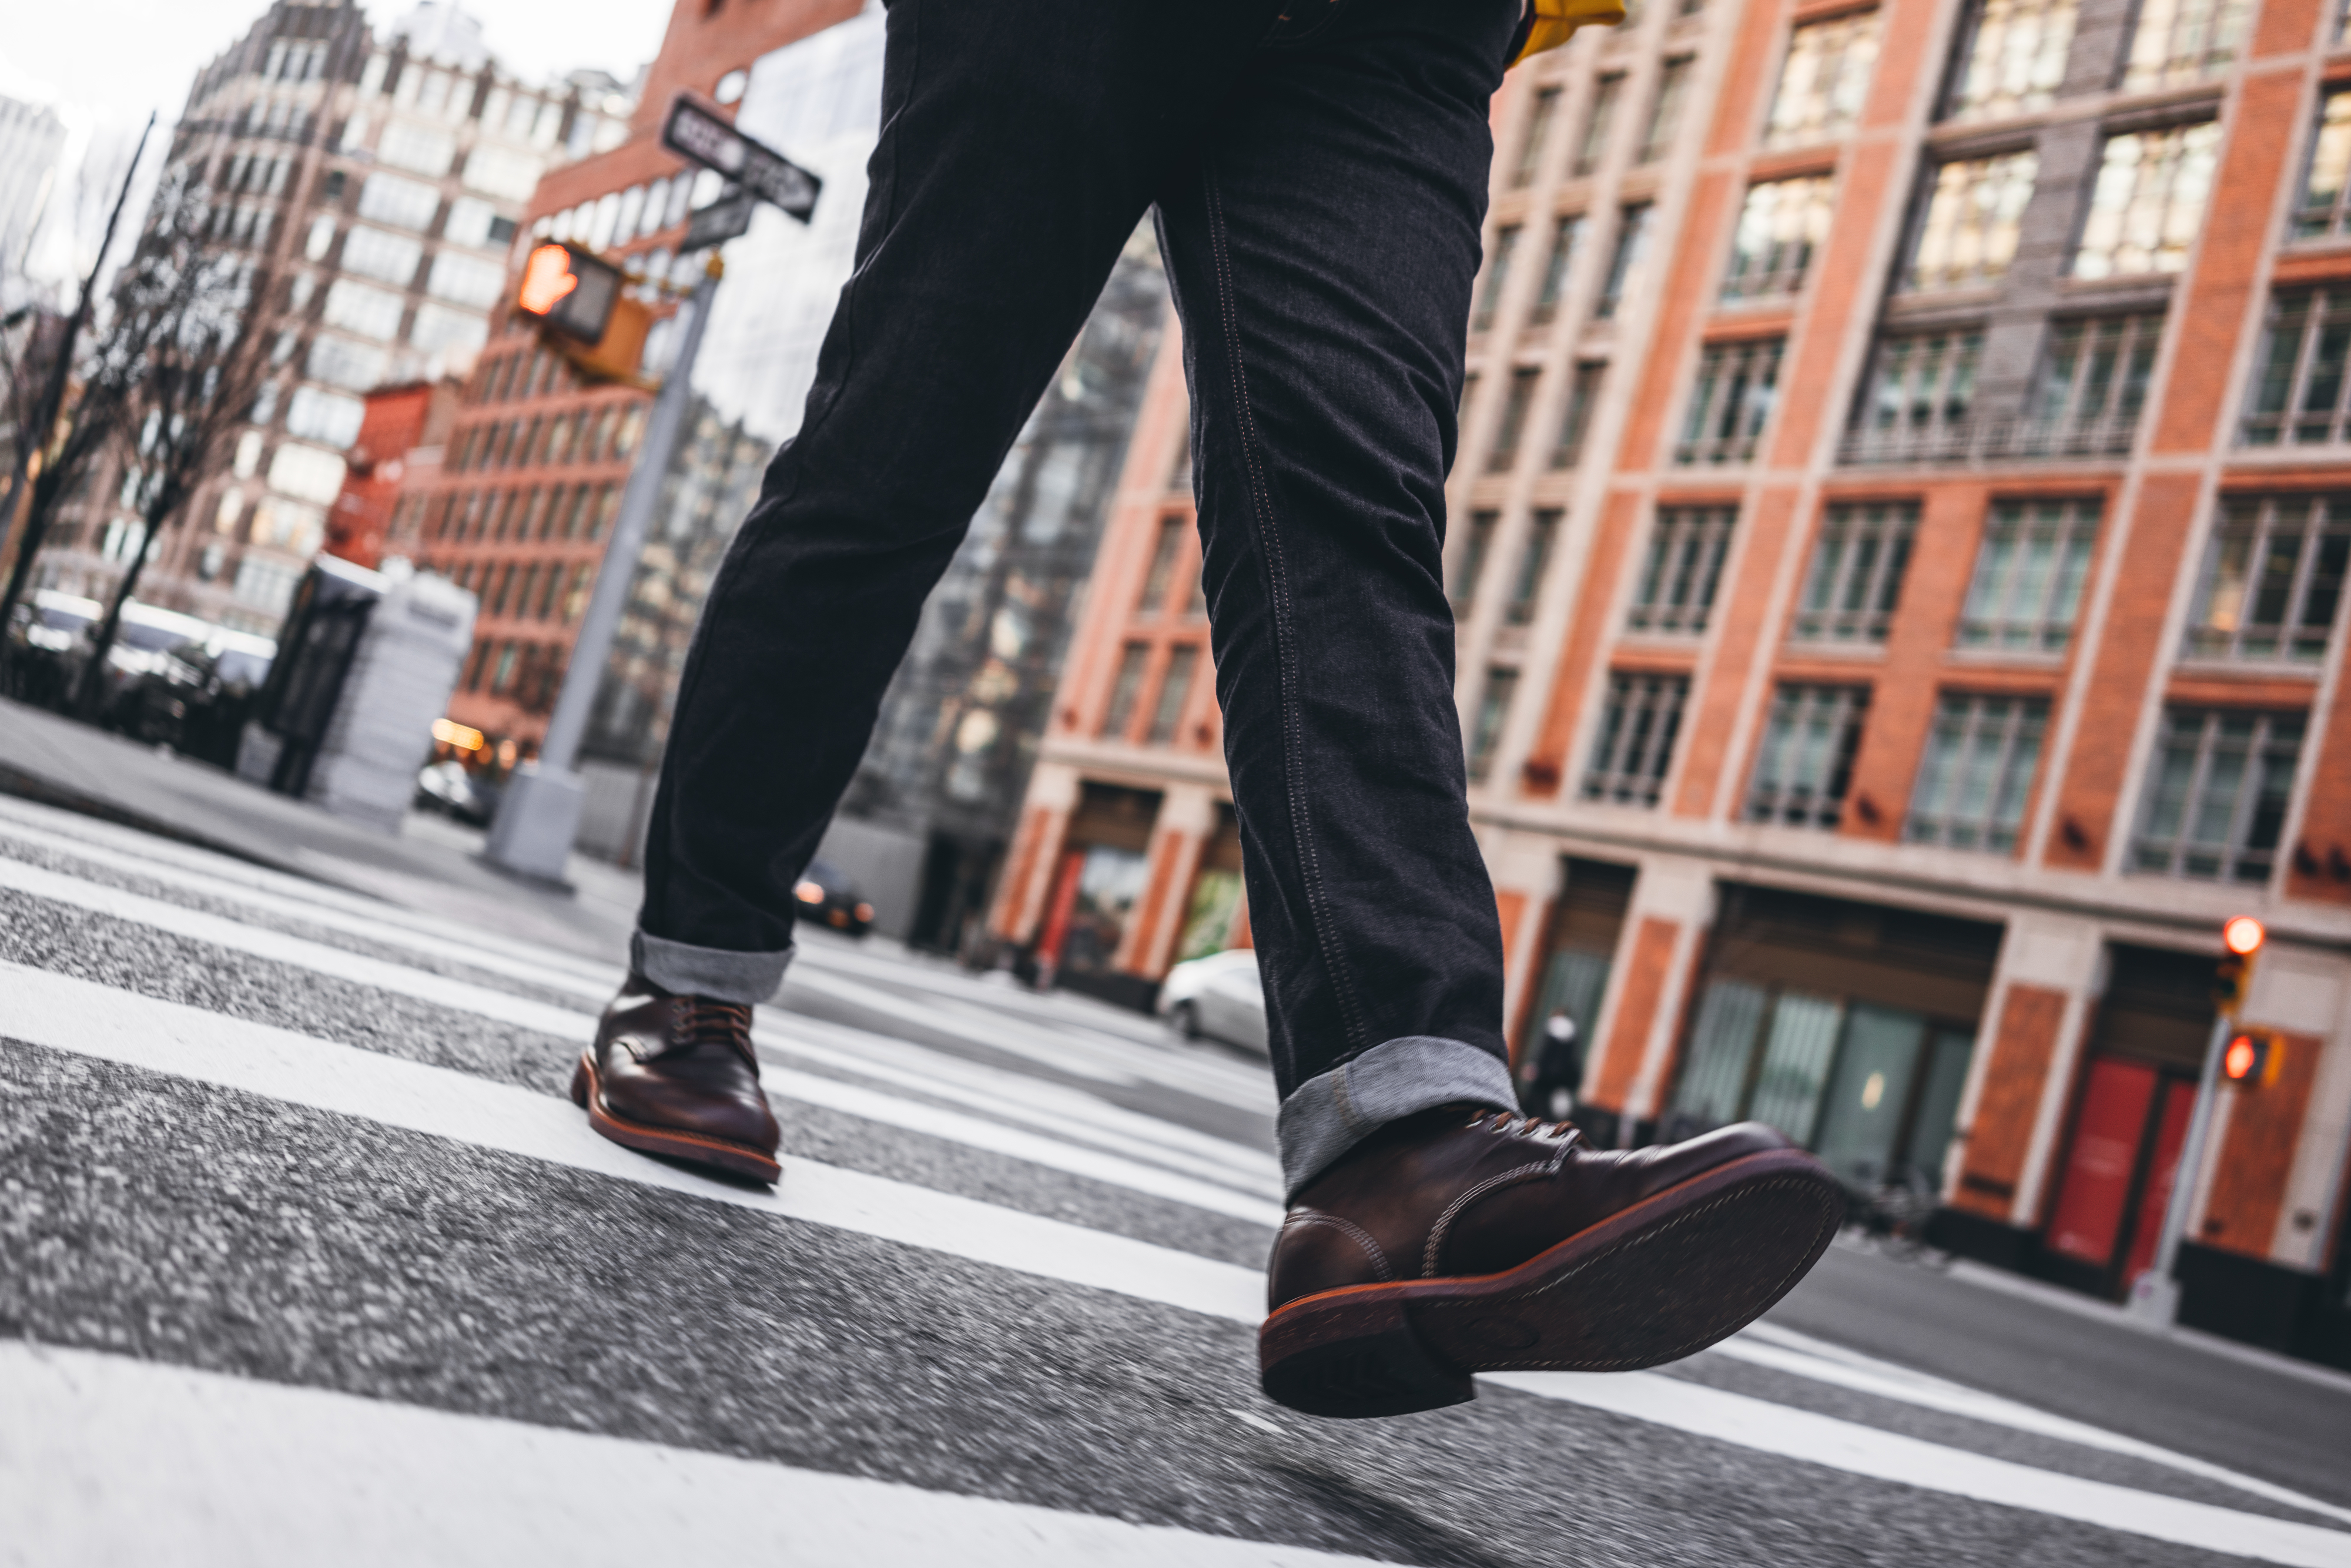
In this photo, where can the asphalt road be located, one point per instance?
(304, 1256)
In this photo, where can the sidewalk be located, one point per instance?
(432, 865)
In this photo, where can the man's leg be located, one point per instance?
(1322, 246)
(1021, 142)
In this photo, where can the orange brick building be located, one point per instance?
(1899, 540)
(528, 483)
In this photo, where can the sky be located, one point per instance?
(104, 64)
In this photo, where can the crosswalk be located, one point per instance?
(305, 1256)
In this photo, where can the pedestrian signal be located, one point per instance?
(2241, 935)
(575, 295)
(2250, 1059)
(570, 290)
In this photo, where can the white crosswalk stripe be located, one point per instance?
(1032, 1112)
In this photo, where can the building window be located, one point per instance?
(1472, 561)
(1635, 745)
(2323, 205)
(1665, 115)
(1783, 223)
(1163, 550)
(1543, 531)
(1505, 450)
(2149, 201)
(1565, 240)
(1920, 398)
(2183, 41)
(1581, 393)
(1532, 139)
(2273, 579)
(1687, 546)
(1125, 687)
(1593, 145)
(1175, 691)
(2015, 58)
(2092, 386)
(1858, 565)
(2029, 574)
(1497, 278)
(1969, 233)
(1632, 244)
(2217, 794)
(1824, 81)
(1978, 766)
(1730, 402)
(2304, 385)
(1805, 763)
(1493, 713)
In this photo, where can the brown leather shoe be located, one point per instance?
(676, 1075)
(1465, 1239)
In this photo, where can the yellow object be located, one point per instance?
(1557, 20)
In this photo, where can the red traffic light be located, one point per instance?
(2242, 935)
(2241, 1060)
(570, 291)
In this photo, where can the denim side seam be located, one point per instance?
(1278, 583)
(1332, 1112)
(712, 972)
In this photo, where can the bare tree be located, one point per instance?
(185, 359)
(46, 421)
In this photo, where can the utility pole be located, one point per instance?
(539, 816)
(2155, 1294)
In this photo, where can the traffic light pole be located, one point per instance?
(2155, 1294)
(539, 815)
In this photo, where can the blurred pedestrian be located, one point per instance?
(1317, 169)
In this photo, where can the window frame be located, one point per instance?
(1635, 740)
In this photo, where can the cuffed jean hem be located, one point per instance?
(707, 971)
(1329, 1113)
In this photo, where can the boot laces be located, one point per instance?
(701, 1020)
(1514, 1124)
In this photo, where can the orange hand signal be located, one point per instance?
(547, 277)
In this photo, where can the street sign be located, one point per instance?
(719, 222)
(697, 132)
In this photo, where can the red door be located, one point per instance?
(2179, 1104)
(2095, 1189)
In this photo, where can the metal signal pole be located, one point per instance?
(540, 814)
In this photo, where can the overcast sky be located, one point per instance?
(105, 63)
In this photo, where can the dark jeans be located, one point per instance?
(1319, 181)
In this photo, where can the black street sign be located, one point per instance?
(719, 222)
(697, 132)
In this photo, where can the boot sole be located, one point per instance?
(1662, 1280)
(699, 1149)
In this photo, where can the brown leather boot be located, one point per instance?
(676, 1075)
(1465, 1239)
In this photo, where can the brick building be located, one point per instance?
(1897, 541)
(531, 475)
(375, 183)
(402, 429)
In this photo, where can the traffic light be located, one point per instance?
(576, 296)
(2251, 1059)
(2241, 937)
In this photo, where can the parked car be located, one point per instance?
(831, 899)
(455, 790)
(1219, 996)
(193, 696)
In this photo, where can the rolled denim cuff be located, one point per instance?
(1329, 1114)
(711, 972)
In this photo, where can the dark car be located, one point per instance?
(831, 899)
(453, 789)
(193, 697)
